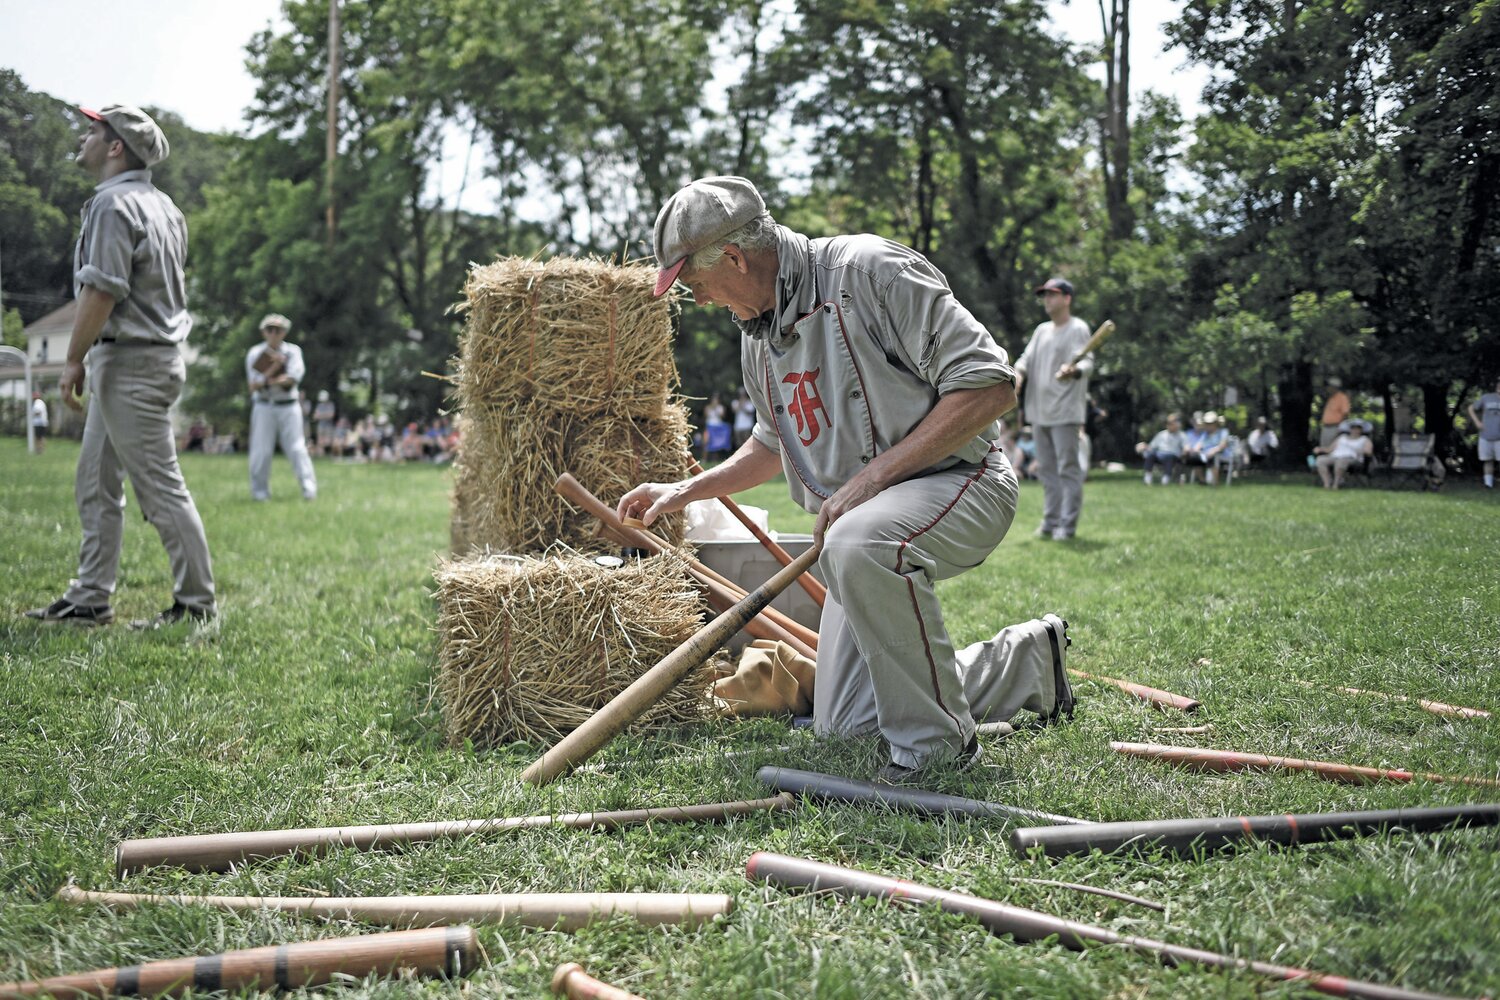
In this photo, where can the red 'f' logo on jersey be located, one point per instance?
(805, 405)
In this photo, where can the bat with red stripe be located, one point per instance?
(1187, 837)
(1031, 925)
(1156, 696)
(445, 951)
(1227, 760)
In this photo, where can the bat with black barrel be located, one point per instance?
(831, 788)
(1187, 837)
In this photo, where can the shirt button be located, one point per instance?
(856, 394)
(828, 308)
(864, 459)
(780, 408)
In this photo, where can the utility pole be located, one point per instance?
(333, 110)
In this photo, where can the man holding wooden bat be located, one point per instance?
(1056, 381)
(878, 394)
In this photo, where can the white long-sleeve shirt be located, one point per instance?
(261, 385)
(1049, 401)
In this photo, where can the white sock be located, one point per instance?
(1148, 479)
(1489, 480)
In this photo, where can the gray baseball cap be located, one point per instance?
(135, 128)
(708, 209)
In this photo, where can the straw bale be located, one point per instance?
(509, 457)
(578, 336)
(531, 647)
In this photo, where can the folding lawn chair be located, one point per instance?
(1411, 456)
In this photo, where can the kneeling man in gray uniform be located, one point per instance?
(878, 395)
(132, 315)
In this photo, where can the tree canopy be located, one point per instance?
(1335, 210)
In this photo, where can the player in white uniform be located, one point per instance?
(878, 395)
(275, 410)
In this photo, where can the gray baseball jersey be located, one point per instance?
(866, 337)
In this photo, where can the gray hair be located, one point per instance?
(757, 234)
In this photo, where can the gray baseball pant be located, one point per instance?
(128, 431)
(271, 424)
(1061, 471)
(885, 660)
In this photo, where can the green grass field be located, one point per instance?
(312, 705)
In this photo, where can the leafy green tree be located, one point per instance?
(1284, 157)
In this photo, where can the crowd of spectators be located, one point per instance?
(372, 438)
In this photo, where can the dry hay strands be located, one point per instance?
(532, 647)
(510, 457)
(578, 336)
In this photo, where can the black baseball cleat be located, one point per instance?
(900, 774)
(1057, 636)
(65, 611)
(173, 615)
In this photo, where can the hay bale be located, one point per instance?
(509, 457)
(574, 336)
(531, 647)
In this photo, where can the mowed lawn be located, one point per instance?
(312, 705)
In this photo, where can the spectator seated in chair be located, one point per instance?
(1203, 454)
(1352, 447)
(1262, 442)
(1164, 450)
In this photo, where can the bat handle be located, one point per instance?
(571, 981)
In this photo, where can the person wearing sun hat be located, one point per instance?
(131, 319)
(877, 395)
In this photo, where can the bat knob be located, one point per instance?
(560, 976)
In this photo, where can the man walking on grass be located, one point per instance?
(132, 316)
(1056, 405)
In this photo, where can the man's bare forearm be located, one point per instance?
(956, 419)
(752, 464)
(94, 308)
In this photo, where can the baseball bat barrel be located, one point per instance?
(1030, 925)
(1184, 837)
(806, 581)
(220, 851)
(1227, 760)
(566, 911)
(1435, 707)
(571, 981)
(1156, 696)
(831, 788)
(647, 689)
(446, 951)
(633, 532)
(1100, 336)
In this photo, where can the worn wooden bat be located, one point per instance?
(1184, 837)
(1156, 696)
(571, 981)
(648, 689)
(567, 911)
(219, 851)
(1226, 760)
(1031, 925)
(447, 951)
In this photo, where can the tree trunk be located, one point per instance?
(1436, 417)
(1296, 390)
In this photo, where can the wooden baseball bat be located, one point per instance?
(1435, 707)
(571, 981)
(1156, 696)
(1030, 925)
(648, 689)
(778, 627)
(220, 851)
(830, 788)
(1225, 760)
(1186, 837)
(1100, 336)
(722, 593)
(446, 951)
(814, 589)
(565, 911)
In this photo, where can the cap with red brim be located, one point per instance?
(666, 276)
